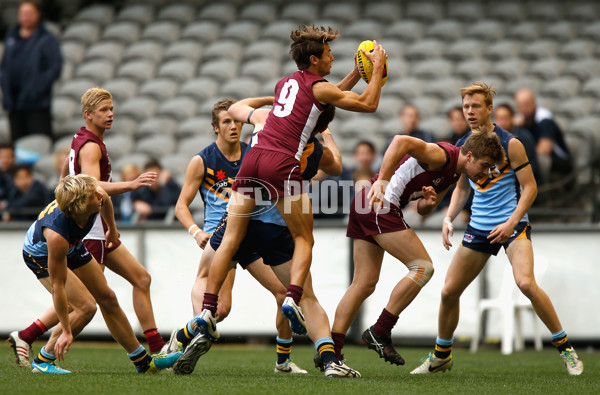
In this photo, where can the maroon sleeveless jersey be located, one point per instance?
(294, 114)
(410, 176)
(82, 137)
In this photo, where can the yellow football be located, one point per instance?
(365, 67)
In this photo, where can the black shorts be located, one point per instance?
(477, 239)
(272, 243)
(75, 259)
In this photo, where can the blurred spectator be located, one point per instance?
(458, 124)
(362, 178)
(504, 117)
(410, 118)
(365, 156)
(61, 156)
(31, 63)
(123, 202)
(554, 159)
(154, 202)
(27, 196)
(7, 162)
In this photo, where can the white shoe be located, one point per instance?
(340, 370)
(293, 312)
(207, 325)
(173, 345)
(431, 364)
(21, 349)
(288, 367)
(572, 362)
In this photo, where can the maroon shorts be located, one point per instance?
(364, 223)
(99, 250)
(273, 172)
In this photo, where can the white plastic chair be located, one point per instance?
(510, 302)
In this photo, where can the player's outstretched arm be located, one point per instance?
(246, 110)
(89, 157)
(57, 266)
(194, 175)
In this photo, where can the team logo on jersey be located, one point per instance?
(437, 181)
(494, 172)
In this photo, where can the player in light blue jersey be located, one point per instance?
(54, 251)
(499, 219)
(211, 173)
(269, 238)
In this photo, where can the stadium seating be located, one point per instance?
(173, 60)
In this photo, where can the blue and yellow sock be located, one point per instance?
(443, 347)
(284, 349)
(140, 359)
(325, 349)
(561, 341)
(187, 333)
(43, 356)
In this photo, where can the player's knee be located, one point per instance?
(107, 300)
(143, 281)
(420, 271)
(527, 286)
(364, 287)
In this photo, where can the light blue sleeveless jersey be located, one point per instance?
(496, 196)
(219, 174)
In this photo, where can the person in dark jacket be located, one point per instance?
(26, 197)
(154, 202)
(31, 63)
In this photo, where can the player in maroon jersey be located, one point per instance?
(272, 167)
(411, 170)
(89, 156)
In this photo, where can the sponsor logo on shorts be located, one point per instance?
(468, 238)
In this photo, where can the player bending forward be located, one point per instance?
(411, 170)
(54, 251)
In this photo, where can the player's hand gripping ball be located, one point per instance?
(365, 67)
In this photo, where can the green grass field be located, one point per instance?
(104, 368)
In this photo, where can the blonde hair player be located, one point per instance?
(54, 252)
(498, 219)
